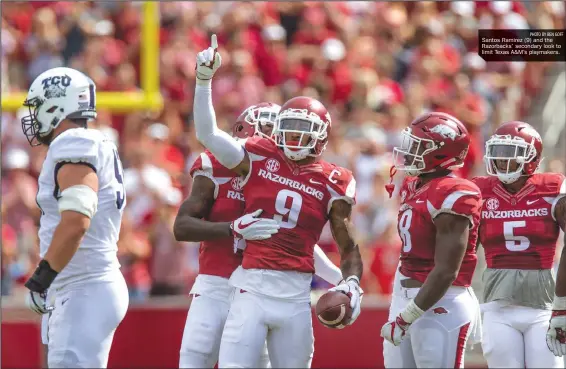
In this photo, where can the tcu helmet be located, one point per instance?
(56, 95)
(255, 119)
(513, 141)
(432, 142)
(302, 116)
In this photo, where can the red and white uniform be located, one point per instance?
(519, 234)
(217, 259)
(456, 315)
(273, 283)
(211, 291)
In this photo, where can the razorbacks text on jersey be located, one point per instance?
(419, 207)
(299, 197)
(96, 255)
(217, 258)
(519, 234)
(519, 231)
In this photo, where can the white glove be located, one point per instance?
(395, 331)
(250, 227)
(37, 302)
(556, 334)
(351, 287)
(208, 61)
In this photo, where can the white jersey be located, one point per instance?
(96, 257)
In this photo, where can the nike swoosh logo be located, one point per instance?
(531, 202)
(244, 223)
(419, 201)
(314, 182)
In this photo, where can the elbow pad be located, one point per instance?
(79, 198)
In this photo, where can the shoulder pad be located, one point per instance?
(77, 146)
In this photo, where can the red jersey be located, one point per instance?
(217, 257)
(298, 197)
(416, 227)
(519, 231)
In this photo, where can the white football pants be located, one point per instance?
(515, 337)
(80, 329)
(438, 338)
(203, 330)
(253, 319)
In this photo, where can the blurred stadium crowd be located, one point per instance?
(376, 65)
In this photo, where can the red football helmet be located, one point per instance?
(515, 143)
(432, 142)
(302, 117)
(255, 119)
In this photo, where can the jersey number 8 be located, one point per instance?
(404, 225)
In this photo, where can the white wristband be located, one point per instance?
(412, 312)
(559, 303)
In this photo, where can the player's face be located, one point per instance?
(506, 155)
(416, 149)
(266, 128)
(297, 127)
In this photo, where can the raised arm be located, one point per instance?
(224, 147)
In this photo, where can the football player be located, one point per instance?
(433, 309)
(216, 196)
(287, 179)
(521, 216)
(81, 197)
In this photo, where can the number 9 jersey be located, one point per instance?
(419, 207)
(96, 255)
(299, 197)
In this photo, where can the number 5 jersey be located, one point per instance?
(519, 233)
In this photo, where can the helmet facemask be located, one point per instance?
(505, 157)
(262, 119)
(293, 122)
(409, 157)
(30, 125)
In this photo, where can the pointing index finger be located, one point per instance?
(213, 42)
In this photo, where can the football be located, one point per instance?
(333, 309)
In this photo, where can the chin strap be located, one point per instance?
(390, 187)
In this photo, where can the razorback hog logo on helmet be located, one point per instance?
(445, 131)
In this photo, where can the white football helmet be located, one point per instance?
(56, 95)
(261, 116)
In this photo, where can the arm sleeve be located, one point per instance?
(224, 147)
(325, 268)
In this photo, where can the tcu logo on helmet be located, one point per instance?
(444, 131)
(492, 204)
(55, 86)
(236, 183)
(272, 165)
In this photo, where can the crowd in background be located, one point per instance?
(375, 65)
